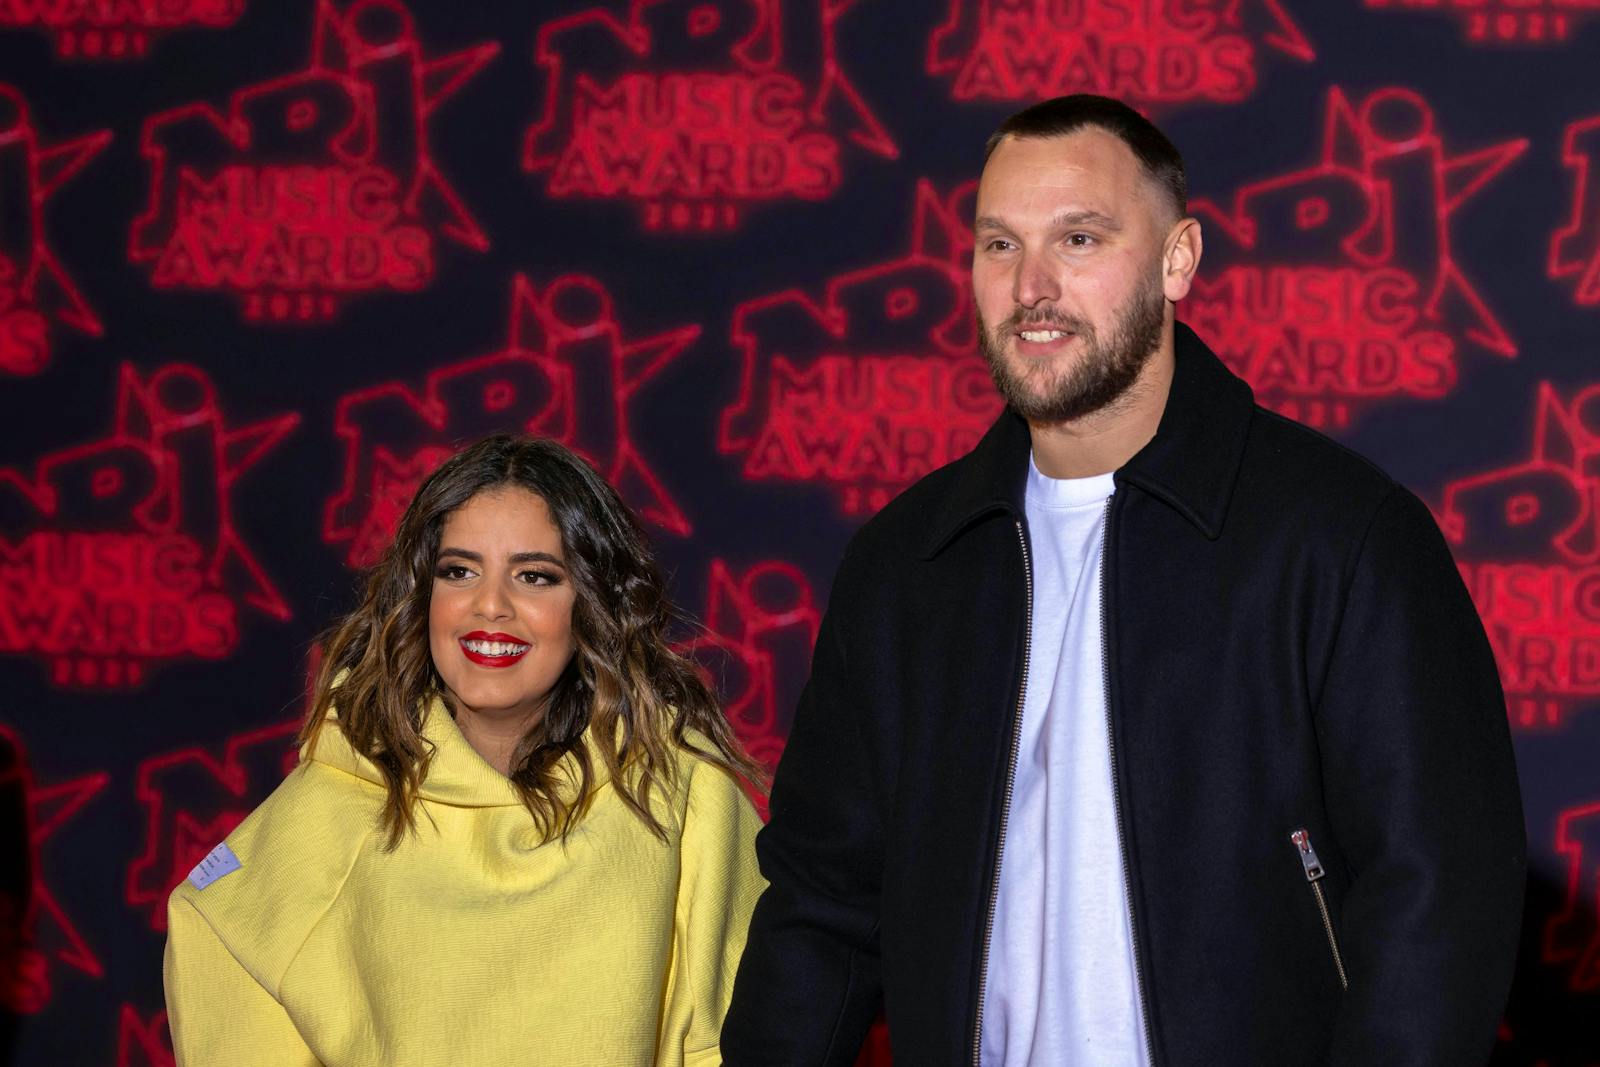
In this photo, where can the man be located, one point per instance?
(1157, 730)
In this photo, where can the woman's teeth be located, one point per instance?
(495, 648)
(1038, 336)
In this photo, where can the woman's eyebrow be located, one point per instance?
(536, 557)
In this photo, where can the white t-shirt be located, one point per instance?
(1060, 986)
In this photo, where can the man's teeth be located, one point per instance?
(1042, 335)
(496, 648)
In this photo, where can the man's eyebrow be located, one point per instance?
(989, 222)
(1085, 218)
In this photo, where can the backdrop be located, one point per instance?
(262, 263)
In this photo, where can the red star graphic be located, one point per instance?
(573, 329)
(1357, 143)
(565, 371)
(142, 405)
(26, 263)
(380, 31)
(141, 1043)
(176, 398)
(44, 921)
(178, 834)
(372, 43)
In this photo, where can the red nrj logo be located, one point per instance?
(314, 186)
(36, 934)
(34, 290)
(875, 385)
(126, 552)
(1145, 53)
(566, 372)
(1572, 936)
(1339, 285)
(142, 1043)
(693, 112)
(1575, 247)
(1490, 22)
(115, 29)
(193, 799)
(1528, 538)
(760, 625)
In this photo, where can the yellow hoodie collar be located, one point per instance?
(457, 775)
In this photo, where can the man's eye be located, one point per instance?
(1080, 240)
(996, 244)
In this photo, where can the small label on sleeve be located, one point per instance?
(218, 862)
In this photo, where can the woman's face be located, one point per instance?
(500, 618)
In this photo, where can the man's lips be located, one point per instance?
(492, 649)
(1037, 340)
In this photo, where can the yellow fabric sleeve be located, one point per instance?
(220, 1016)
(717, 891)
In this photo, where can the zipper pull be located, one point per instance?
(1308, 855)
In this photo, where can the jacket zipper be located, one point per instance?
(1116, 790)
(1005, 804)
(1314, 873)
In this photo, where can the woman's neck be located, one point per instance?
(495, 738)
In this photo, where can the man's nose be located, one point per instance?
(1035, 283)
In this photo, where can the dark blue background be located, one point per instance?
(1480, 97)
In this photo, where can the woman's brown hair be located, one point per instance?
(638, 699)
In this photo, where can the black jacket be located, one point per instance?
(1289, 647)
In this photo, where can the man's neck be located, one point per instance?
(1103, 441)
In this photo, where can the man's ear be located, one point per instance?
(1181, 258)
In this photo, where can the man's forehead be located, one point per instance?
(1090, 164)
(1089, 150)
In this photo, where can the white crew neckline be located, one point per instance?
(1055, 493)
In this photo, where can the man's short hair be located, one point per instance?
(1068, 114)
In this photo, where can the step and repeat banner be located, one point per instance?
(264, 262)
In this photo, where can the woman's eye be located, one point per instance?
(538, 577)
(453, 572)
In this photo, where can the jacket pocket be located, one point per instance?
(1314, 872)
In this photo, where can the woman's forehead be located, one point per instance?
(504, 514)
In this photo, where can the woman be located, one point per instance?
(515, 835)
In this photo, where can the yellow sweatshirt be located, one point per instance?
(471, 944)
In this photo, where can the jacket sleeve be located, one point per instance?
(1421, 792)
(809, 985)
(717, 888)
(220, 1016)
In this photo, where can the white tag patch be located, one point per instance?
(218, 862)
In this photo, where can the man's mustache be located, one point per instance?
(1046, 318)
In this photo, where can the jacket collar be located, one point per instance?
(1190, 464)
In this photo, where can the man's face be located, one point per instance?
(1067, 272)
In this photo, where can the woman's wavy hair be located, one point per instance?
(637, 698)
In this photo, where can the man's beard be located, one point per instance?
(1102, 373)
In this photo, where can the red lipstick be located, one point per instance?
(487, 659)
